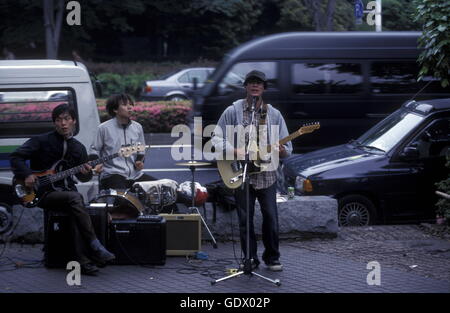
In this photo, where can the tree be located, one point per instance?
(301, 15)
(53, 18)
(397, 15)
(323, 19)
(42, 25)
(435, 39)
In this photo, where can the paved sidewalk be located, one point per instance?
(410, 261)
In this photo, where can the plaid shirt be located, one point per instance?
(267, 178)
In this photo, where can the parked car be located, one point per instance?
(387, 174)
(176, 85)
(347, 81)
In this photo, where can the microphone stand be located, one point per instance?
(247, 270)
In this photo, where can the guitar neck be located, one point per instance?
(75, 170)
(287, 139)
(290, 137)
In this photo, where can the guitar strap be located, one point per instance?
(262, 120)
(64, 149)
(62, 158)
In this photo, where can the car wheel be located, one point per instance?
(176, 98)
(356, 210)
(6, 218)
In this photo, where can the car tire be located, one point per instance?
(176, 98)
(6, 218)
(356, 210)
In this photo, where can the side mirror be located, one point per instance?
(195, 83)
(410, 153)
(98, 88)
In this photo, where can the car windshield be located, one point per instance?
(389, 131)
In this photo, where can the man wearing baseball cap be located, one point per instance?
(262, 185)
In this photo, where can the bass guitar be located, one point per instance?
(30, 197)
(231, 171)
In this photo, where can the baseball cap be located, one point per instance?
(255, 74)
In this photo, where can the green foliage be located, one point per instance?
(120, 77)
(115, 83)
(435, 40)
(299, 15)
(398, 15)
(152, 69)
(28, 30)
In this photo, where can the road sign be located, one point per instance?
(359, 9)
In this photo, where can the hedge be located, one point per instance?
(155, 117)
(115, 83)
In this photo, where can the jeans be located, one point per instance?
(267, 200)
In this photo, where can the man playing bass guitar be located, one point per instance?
(43, 152)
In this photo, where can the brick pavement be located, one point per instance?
(317, 265)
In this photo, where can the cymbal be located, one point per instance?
(193, 163)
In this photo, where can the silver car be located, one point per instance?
(176, 85)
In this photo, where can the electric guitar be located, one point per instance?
(231, 171)
(44, 184)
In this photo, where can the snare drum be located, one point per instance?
(121, 205)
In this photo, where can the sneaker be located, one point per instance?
(255, 264)
(89, 269)
(275, 266)
(100, 253)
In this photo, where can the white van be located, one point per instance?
(29, 90)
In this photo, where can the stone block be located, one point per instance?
(308, 216)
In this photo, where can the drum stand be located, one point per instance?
(192, 165)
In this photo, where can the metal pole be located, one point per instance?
(378, 19)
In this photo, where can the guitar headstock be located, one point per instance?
(308, 128)
(129, 150)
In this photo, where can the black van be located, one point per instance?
(347, 81)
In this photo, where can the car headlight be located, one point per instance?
(303, 184)
(299, 183)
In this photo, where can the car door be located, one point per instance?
(331, 92)
(411, 185)
(186, 80)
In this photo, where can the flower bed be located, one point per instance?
(155, 117)
(27, 112)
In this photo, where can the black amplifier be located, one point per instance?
(138, 241)
(58, 235)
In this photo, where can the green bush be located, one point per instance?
(155, 117)
(151, 69)
(115, 83)
(129, 77)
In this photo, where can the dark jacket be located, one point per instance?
(43, 152)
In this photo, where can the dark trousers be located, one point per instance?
(267, 200)
(119, 182)
(82, 230)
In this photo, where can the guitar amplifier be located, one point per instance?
(183, 233)
(58, 240)
(138, 241)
